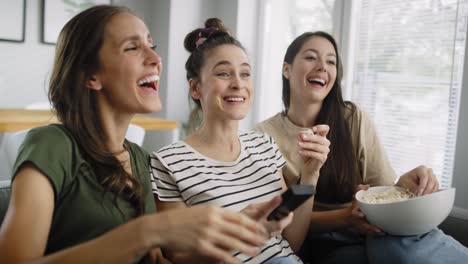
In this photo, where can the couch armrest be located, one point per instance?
(456, 228)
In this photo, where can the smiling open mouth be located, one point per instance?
(318, 81)
(149, 82)
(234, 99)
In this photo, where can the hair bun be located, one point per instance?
(213, 26)
(191, 39)
(215, 22)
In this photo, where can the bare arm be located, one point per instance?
(24, 233)
(314, 150)
(341, 219)
(220, 232)
(329, 220)
(420, 180)
(296, 232)
(177, 257)
(347, 218)
(25, 230)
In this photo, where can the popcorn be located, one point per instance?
(307, 131)
(389, 196)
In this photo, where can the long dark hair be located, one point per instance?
(339, 176)
(76, 60)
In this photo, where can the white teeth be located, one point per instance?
(235, 99)
(318, 80)
(148, 79)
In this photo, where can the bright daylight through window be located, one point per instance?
(407, 75)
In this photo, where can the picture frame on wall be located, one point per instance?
(56, 13)
(12, 20)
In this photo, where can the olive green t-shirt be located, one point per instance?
(83, 210)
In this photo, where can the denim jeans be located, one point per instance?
(334, 247)
(432, 248)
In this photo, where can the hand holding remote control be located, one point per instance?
(292, 198)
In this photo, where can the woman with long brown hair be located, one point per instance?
(81, 193)
(312, 95)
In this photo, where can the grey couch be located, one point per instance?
(4, 199)
(457, 228)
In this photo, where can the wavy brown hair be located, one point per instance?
(76, 60)
(339, 176)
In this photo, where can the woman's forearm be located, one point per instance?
(297, 231)
(186, 258)
(124, 244)
(326, 221)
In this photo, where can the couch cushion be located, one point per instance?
(457, 228)
(4, 200)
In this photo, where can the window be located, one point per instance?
(309, 15)
(407, 75)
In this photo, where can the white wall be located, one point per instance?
(159, 26)
(25, 67)
(184, 17)
(247, 34)
(460, 171)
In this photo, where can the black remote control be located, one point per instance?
(292, 198)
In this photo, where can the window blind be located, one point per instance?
(407, 75)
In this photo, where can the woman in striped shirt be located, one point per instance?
(217, 164)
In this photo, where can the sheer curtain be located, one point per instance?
(407, 74)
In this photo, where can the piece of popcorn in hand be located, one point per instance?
(307, 131)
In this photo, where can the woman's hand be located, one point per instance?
(420, 181)
(260, 212)
(314, 149)
(356, 218)
(157, 257)
(210, 232)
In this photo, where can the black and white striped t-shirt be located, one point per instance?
(183, 174)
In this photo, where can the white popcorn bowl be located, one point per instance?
(415, 216)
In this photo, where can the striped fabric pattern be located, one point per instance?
(180, 173)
